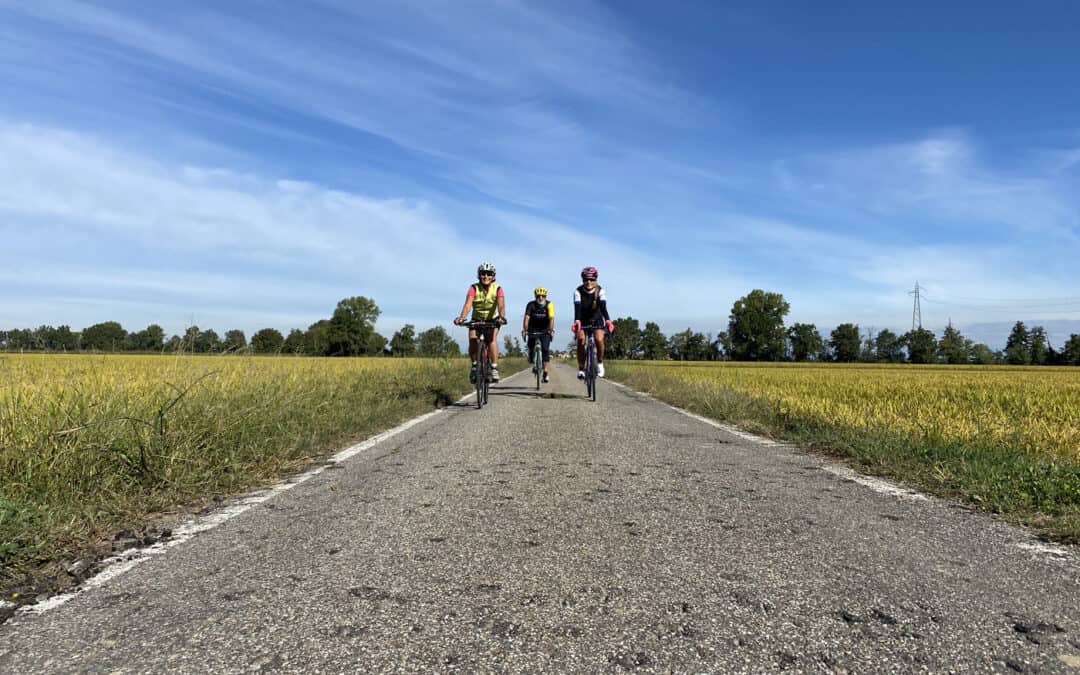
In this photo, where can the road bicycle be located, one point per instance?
(537, 356)
(591, 359)
(483, 357)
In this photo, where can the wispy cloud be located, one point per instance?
(214, 155)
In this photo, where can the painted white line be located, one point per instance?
(1058, 552)
(116, 565)
(876, 484)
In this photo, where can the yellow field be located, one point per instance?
(46, 398)
(1035, 409)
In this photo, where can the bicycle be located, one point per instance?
(483, 357)
(537, 356)
(591, 360)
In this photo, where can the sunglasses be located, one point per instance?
(487, 274)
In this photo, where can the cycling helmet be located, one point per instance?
(539, 290)
(485, 267)
(589, 273)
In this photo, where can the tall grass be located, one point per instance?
(90, 445)
(1003, 439)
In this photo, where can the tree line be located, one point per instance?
(755, 332)
(349, 331)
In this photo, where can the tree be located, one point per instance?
(689, 346)
(352, 326)
(866, 348)
(625, 342)
(951, 347)
(317, 338)
(107, 337)
(756, 327)
(267, 341)
(376, 345)
(981, 354)
(60, 339)
(1018, 346)
(295, 342)
(512, 347)
(207, 342)
(1038, 346)
(805, 341)
(235, 341)
(921, 345)
(888, 347)
(653, 342)
(149, 339)
(403, 343)
(845, 343)
(436, 342)
(1070, 353)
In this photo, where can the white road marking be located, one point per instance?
(1059, 552)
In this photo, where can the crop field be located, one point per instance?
(91, 444)
(1003, 438)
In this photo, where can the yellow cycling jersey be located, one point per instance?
(485, 305)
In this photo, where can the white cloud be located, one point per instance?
(190, 239)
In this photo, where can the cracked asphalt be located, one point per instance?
(552, 534)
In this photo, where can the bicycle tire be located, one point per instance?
(538, 366)
(590, 368)
(481, 373)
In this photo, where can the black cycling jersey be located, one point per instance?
(590, 305)
(539, 316)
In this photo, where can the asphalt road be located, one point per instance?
(554, 534)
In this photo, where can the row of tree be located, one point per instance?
(755, 332)
(350, 331)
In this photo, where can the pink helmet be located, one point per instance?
(589, 273)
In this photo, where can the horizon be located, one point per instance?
(249, 165)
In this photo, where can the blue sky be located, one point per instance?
(242, 165)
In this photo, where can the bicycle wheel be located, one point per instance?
(487, 371)
(590, 374)
(481, 375)
(538, 366)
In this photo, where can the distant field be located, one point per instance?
(91, 444)
(1004, 438)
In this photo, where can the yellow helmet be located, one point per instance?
(540, 290)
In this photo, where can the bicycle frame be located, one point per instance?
(591, 359)
(483, 358)
(538, 356)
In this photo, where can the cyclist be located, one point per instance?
(488, 303)
(539, 318)
(590, 304)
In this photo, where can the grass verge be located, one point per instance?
(97, 452)
(1024, 487)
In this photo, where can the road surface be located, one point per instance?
(552, 534)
